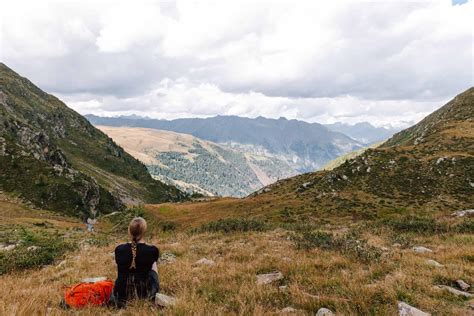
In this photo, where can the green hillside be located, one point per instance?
(52, 156)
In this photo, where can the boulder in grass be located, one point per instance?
(164, 300)
(288, 310)
(324, 312)
(454, 291)
(204, 262)
(462, 285)
(166, 258)
(434, 263)
(268, 278)
(407, 310)
(421, 249)
(463, 213)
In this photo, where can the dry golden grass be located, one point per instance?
(314, 278)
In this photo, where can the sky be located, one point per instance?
(385, 62)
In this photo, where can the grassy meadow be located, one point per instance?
(351, 267)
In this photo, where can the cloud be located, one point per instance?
(310, 60)
(171, 99)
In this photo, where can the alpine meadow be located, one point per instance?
(236, 158)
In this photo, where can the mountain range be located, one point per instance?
(363, 132)
(198, 166)
(304, 146)
(53, 157)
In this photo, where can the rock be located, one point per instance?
(204, 262)
(384, 249)
(32, 248)
(463, 213)
(269, 277)
(164, 300)
(471, 304)
(462, 285)
(324, 312)
(421, 249)
(93, 280)
(167, 258)
(396, 245)
(283, 287)
(434, 263)
(7, 248)
(454, 291)
(62, 263)
(406, 310)
(288, 310)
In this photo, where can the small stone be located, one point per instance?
(205, 262)
(434, 263)
(463, 213)
(283, 287)
(421, 249)
(462, 285)
(32, 248)
(471, 304)
(7, 248)
(164, 300)
(167, 258)
(288, 310)
(454, 291)
(407, 310)
(324, 312)
(396, 245)
(93, 280)
(269, 277)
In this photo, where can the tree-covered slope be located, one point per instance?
(53, 157)
(305, 146)
(196, 165)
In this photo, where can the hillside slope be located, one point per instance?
(304, 146)
(429, 166)
(196, 165)
(53, 157)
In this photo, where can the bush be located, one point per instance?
(416, 224)
(347, 244)
(317, 239)
(232, 225)
(44, 249)
(467, 226)
(168, 226)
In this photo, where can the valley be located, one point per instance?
(198, 166)
(379, 232)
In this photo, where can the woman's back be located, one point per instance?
(145, 257)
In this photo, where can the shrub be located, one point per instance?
(317, 239)
(467, 226)
(347, 244)
(232, 225)
(416, 224)
(168, 226)
(43, 249)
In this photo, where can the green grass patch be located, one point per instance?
(34, 249)
(232, 225)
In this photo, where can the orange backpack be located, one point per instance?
(82, 294)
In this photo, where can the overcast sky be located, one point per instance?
(386, 62)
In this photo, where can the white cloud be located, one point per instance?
(382, 61)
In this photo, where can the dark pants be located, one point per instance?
(130, 287)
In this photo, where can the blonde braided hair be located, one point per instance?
(136, 230)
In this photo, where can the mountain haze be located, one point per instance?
(363, 132)
(52, 156)
(304, 146)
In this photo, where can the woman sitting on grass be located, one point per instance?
(136, 265)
